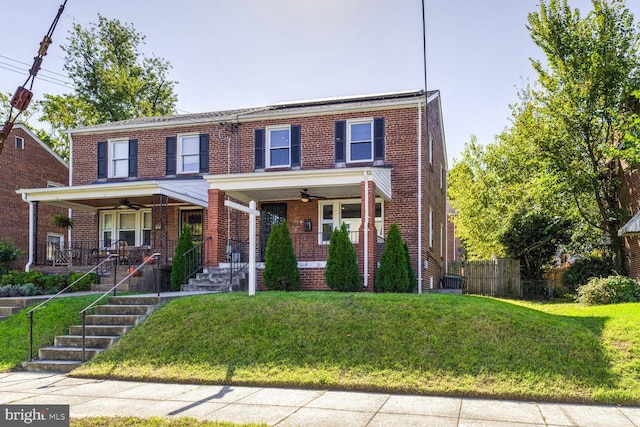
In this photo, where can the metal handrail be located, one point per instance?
(83, 312)
(111, 258)
(189, 255)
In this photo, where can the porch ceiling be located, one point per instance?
(631, 228)
(92, 197)
(287, 185)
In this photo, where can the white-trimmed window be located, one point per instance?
(189, 153)
(332, 213)
(278, 146)
(441, 240)
(430, 227)
(19, 143)
(360, 140)
(430, 148)
(119, 158)
(54, 242)
(133, 227)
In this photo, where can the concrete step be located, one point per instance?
(205, 287)
(92, 341)
(135, 300)
(123, 309)
(52, 365)
(9, 311)
(113, 319)
(100, 330)
(67, 353)
(21, 301)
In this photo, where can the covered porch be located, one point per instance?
(313, 203)
(132, 219)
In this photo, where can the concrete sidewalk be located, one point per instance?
(293, 407)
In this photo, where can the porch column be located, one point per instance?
(367, 259)
(216, 248)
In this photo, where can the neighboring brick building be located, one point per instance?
(630, 200)
(367, 161)
(26, 162)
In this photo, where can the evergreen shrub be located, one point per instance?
(342, 273)
(393, 274)
(280, 263)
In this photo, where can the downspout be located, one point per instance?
(31, 226)
(419, 198)
(70, 183)
(366, 230)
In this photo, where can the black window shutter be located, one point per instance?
(102, 159)
(378, 138)
(171, 155)
(133, 157)
(340, 140)
(258, 143)
(204, 152)
(295, 146)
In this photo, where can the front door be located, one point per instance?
(270, 214)
(193, 219)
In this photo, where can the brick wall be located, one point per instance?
(630, 201)
(317, 152)
(31, 167)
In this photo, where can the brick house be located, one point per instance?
(366, 161)
(630, 201)
(27, 162)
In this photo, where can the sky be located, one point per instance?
(228, 54)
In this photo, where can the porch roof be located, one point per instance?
(92, 197)
(632, 227)
(287, 185)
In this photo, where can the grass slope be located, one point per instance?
(50, 321)
(436, 344)
(152, 422)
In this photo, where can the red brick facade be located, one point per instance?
(413, 155)
(630, 201)
(27, 165)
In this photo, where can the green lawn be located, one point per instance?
(427, 344)
(152, 422)
(50, 321)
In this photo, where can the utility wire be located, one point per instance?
(27, 64)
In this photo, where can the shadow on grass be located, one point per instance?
(378, 342)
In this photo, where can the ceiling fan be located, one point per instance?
(305, 197)
(128, 204)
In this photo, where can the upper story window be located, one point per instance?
(187, 153)
(277, 147)
(118, 158)
(19, 143)
(359, 140)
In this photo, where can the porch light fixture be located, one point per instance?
(304, 197)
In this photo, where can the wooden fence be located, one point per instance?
(497, 278)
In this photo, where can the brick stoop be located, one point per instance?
(217, 280)
(103, 329)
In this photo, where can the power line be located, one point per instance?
(48, 79)
(28, 65)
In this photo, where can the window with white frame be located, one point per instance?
(132, 227)
(430, 148)
(334, 213)
(189, 153)
(430, 227)
(360, 140)
(19, 143)
(278, 146)
(54, 242)
(119, 156)
(441, 240)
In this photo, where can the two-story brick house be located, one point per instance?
(366, 161)
(26, 162)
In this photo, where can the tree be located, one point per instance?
(185, 242)
(342, 273)
(392, 275)
(581, 107)
(280, 263)
(112, 79)
(534, 238)
(9, 253)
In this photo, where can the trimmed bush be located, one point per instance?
(413, 280)
(393, 274)
(84, 284)
(609, 290)
(280, 263)
(584, 269)
(342, 272)
(185, 242)
(9, 253)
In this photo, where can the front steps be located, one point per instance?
(102, 329)
(217, 280)
(12, 305)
